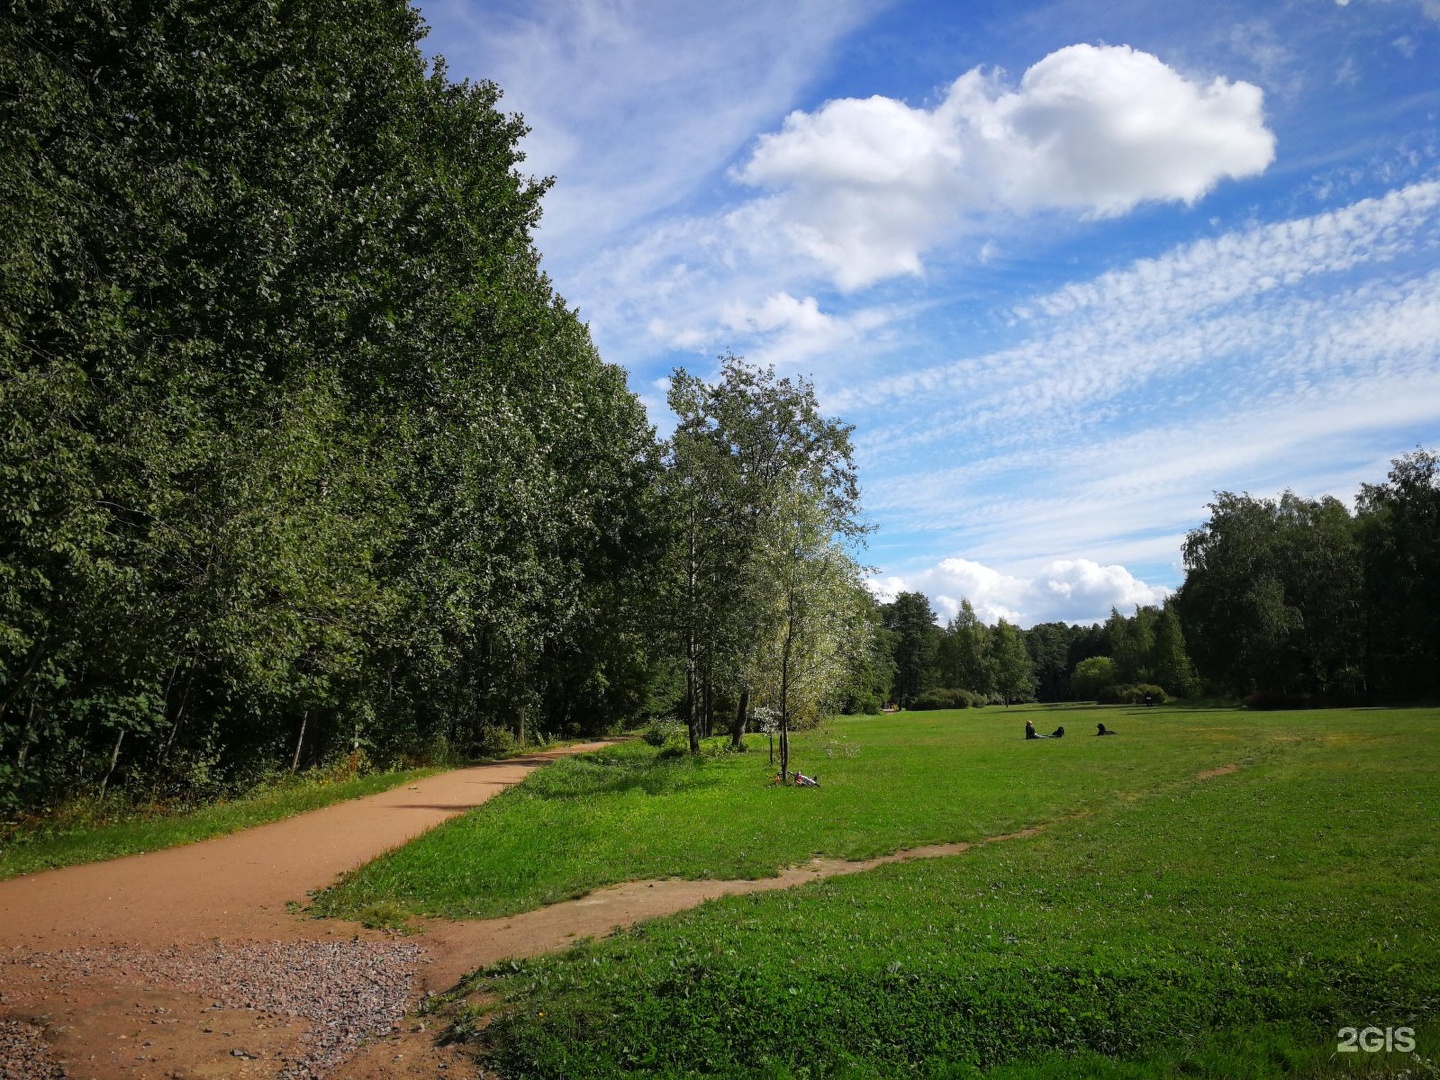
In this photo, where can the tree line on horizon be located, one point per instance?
(1286, 601)
(967, 663)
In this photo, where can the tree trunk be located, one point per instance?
(37, 653)
(25, 737)
(114, 757)
(180, 710)
(785, 705)
(520, 728)
(737, 733)
(299, 742)
(692, 708)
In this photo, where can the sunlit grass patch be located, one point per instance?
(1227, 927)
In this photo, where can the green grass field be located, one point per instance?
(887, 783)
(76, 837)
(1160, 926)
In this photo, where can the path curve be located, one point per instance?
(113, 957)
(238, 885)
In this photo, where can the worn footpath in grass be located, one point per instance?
(1223, 927)
(886, 783)
(47, 846)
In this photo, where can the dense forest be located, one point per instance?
(303, 458)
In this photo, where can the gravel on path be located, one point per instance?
(350, 991)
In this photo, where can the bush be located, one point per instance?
(661, 733)
(493, 742)
(947, 699)
(1132, 694)
(1091, 678)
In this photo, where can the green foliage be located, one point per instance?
(299, 452)
(1399, 534)
(760, 595)
(948, 699)
(1297, 597)
(915, 643)
(662, 733)
(1271, 595)
(1014, 670)
(1221, 927)
(1132, 694)
(1091, 677)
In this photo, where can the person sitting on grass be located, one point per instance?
(1103, 730)
(1030, 732)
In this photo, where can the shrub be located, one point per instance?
(493, 742)
(1091, 677)
(948, 699)
(661, 733)
(1132, 694)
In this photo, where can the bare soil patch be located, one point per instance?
(1219, 770)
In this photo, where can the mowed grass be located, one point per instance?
(1226, 927)
(886, 783)
(76, 839)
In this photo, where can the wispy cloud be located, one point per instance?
(633, 103)
(1258, 360)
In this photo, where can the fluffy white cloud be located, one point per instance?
(1068, 590)
(865, 186)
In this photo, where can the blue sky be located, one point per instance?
(1069, 268)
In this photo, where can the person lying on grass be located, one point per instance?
(1030, 732)
(1101, 729)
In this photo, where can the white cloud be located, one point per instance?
(865, 186)
(1063, 590)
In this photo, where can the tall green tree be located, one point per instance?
(756, 478)
(1399, 534)
(300, 451)
(1014, 670)
(911, 620)
(1271, 594)
(1170, 664)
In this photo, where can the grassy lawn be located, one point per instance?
(1221, 927)
(887, 783)
(77, 839)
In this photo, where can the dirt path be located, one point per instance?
(147, 966)
(185, 963)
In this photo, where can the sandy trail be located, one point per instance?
(117, 962)
(129, 967)
(238, 885)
